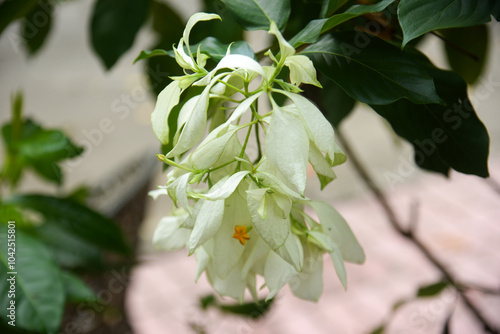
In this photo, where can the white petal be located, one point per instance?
(169, 236)
(319, 129)
(207, 223)
(226, 188)
(338, 263)
(309, 283)
(285, 48)
(167, 99)
(157, 193)
(227, 250)
(292, 252)
(275, 227)
(257, 254)
(212, 147)
(286, 146)
(335, 226)
(240, 62)
(302, 71)
(321, 166)
(276, 184)
(277, 273)
(322, 240)
(202, 260)
(191, 123)
(178, 191)
(232, 285)
(243, 107)
(195, 18)
(182, 59)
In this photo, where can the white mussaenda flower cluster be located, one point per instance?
(251, 220)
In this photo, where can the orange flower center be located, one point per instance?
(240, 233)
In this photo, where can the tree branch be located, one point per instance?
(408, 234)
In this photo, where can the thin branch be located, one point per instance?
(382, 200)
(456, 47)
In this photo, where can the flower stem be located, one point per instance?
(164, 159)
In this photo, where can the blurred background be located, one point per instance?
(108, 113)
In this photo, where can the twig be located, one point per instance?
(456, 47)
(408, 234)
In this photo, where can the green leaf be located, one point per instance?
(466, 50)
(217, 50)
(496, 11)
(68, 249)
(378, 330)
(371, 70)
(311, 32)
(39, 148)
(226, 30)
(251, 310)
(149, 54)
(39, 289)
(13, 10)
(36, 26)
(257, 14)
(338, 105)
(114, 26)
(330, 6)
(77, 219)
(169, 26)
(210, 46)
(443, 136)
(76, 290)
(432, 289)
(419, 17)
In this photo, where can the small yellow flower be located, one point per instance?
(240, 233)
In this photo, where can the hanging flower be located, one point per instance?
(249, 220)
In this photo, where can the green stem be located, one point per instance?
(221, 166)
(231, 86)
(164, 159)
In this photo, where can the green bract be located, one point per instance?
(250, 220)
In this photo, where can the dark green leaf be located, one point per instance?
(76, 290)
(378, 330)
(432, 289)
(39, 148)
(419, 17)
(496, 10)
(210, 46)
(114, 26)
(166, 22)
(149, 54)
(13, 10)
(36, 25)
(169, 26)
(251, 310)
(217, 50)
(226, 30)
(207, 301)
(49, 171)
(466, 50)
(330, 6)
(371, 70)
(443, 136)
(51, 145)
(256, 14)
(311, 32)
(80, 194)
(77, 219)
(69, 250)
(39, 290)
(338, 105)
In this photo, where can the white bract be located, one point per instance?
(243, 216)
